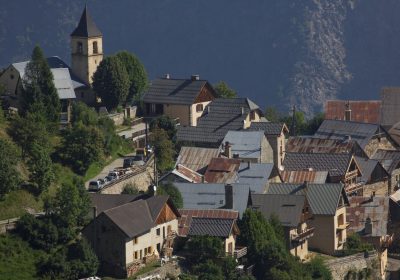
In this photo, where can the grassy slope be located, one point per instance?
(17, 259)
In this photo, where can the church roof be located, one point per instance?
(86, 26)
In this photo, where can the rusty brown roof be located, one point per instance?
(188, 174)
(196, 158)
(301, 144)
(188, 214)
(222, 170)
(301, 176)
(367, 111)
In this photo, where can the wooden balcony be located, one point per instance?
(238, 253)
(307, 233)
(354, 187)
(342, 226)
(351, 174)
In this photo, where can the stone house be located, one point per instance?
(219, 117)
(328, 206)
(128, 231)
(276, 136)
(340, 167)
(248, 146)
(390, 160)
(375, 179)
(370, 137)
(366, 111)
(184, 99)
(219, 223)
(294, 212)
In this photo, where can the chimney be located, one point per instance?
(195, 77)
(228, 149)
(167, 76)
(347, 112)
(94, 212)
(228, 196)
(368, 226)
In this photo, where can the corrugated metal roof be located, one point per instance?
(269, 128)
(361, 208)
(301, 176)
(366, 111)
(323, 198)
(390, 159)
(187, 174)
(335, 129)
(222, 170)
(187, 215)
(211, 227)
(335, 164)
(196, 158)
(246, 144)
(175, 91)
(256, 175)
(304, 144)
(390, 97)
(288, 208)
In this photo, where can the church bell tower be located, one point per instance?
(86, 48)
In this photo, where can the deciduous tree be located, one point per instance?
(173, 192)
(224, 91)
(164, 149)
(9, 175)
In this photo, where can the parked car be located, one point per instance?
(114, 175)
(95, 185)
(128, 162)
(138, 160)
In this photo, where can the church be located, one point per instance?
(72, 82)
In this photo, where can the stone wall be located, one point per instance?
(375, 144)
(341, 266)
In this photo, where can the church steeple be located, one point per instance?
(86, 26)
(86, 48)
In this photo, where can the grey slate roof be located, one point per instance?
(335, 164)
(288, 208)
(211, 227)
(269, 128)
(256, 175)
(389, 159)
(323, 198)
(212, 196)
(223, 115)
(103, 202)
(86, 26)
(337, 129)
(367, 166)
(174, 91)
(246, 144)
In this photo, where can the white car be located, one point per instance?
(96, 185)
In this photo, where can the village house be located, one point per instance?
(375, 179)
(276, 136)
(219, 117)
(328, 206)
(340, 167)
(390, 160)
(182, 174)
(293, 212)
(183, 99)
(365, 111)
(222, 170)
(370, 137)
(251, 146)
(196, 158)
(218, 223)
(214, 196)
(128, 231)
(368, 217)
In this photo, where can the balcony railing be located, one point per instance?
(238, 253)
(386, 241)
(64, 117)
(353, 187)
(307, 233)
(342, 226)
(351, 174)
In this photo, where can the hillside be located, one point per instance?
(276, 52)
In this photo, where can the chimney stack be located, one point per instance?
(167, 76)
(228, 150)
(195, 77)
(228, 196)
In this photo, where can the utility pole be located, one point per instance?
(293, 126)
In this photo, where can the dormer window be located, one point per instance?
(95, 48)
(199, 108)
(79, 47)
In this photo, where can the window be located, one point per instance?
(199, 108)
(136, 255)
(12, 77)
(141, 254)
(252, 116)
(163, 232)
(95, 49)
(135, 240)
(79, 48)
(158, 231)
(145, 251)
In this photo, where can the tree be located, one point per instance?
(205, 247)
(314, 123)
(224, 91)
(111, 82)
(136, 73)
(272, 114)
(82, 113)
(130, 189)
(82, 145)
(40, 167)
(83, 262)
(173, 192)
(9, 175)
(166, 123)
(318, 269)
(278, 228)
(209, 271)
(164, 149)
(38, 87)
(354, 244)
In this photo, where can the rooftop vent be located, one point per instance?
(167, 76)
(195, 77)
